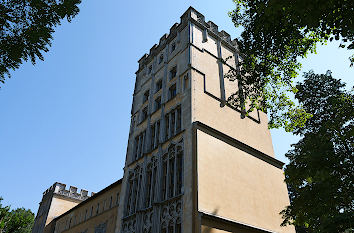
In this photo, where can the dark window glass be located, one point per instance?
(158, 85)
(157, 133)
(164, 177)
(148, 188)
(144, 113)
(150, 69)
(173, 72)
(161, 58)
(179, 119)
(179, 173)
(173, 47)
(173, 121)
(171, 177)
(157, 103)
(170, 228)
(146, 96)
(167, 129)
(178, 228)
(152, 136)
(172, 92)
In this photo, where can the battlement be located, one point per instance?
(197, 18)
(59, 189)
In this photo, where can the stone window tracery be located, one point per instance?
(155, 135)
(171, 217)
(154, 201)
(150, 184)
(134, 191)
(139, 145)
(173, 122)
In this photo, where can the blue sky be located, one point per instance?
(67, 118)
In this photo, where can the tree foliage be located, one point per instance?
(26, 29)
(275, 35)
(320, 174)
(18, 220)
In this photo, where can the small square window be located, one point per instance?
(161, 58)
(158, 85)
(173, 47)
(146, 96)
(173, 72)
(157, 103)
(172, 92)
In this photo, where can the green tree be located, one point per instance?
(275, 35)
(26, 29)
(320, 174)
(18, 220)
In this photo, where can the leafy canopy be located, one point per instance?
(320, 173)
(275, 35)
(18, 220)
(26, 29)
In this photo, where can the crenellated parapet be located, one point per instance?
(60, 189)
(191, 15)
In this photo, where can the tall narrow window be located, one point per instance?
(167, 128)
(144, 114)
(161, 59)
(157, 103)
(178, 227)
(171, 176)
(154, 175)
(110, 202)
(148, 188)
(173, 47)
(170, 227)
(98, 208)
(179, 172)
(150, 69)
(164, 178)
(117, 199)
(152, 139)
(173, 121)
(157, 128)
(179, 119)
(173, 72)
(132, 204)
(139, 145)
(158, 85)
(185, 82)
(85, 214)
(130, 192)
(91, 211)
(172, 92)
(146, 96)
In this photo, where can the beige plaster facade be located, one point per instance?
(193, 164)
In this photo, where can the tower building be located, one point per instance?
(193, 163)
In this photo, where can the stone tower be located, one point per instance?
(55, 201)
(193, 164)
